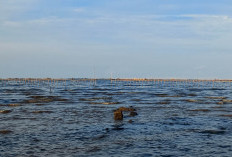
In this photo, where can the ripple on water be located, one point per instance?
(79, 120)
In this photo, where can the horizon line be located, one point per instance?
(116, 79)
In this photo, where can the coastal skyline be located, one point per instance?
(123, 38)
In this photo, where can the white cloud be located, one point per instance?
(11, 24)
(79, 10)
(199, 33)
(11, 8)
(48, 21)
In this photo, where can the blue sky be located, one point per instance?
(125, 38)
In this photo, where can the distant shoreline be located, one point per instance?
(116, 79)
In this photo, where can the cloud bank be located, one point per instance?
(129, 39)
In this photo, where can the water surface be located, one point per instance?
(77, 119)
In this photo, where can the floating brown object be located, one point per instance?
(118, 115)
(5, 111)
(133, 113)
(220, 103)
(126, 109)
(226, 100)
(213, 97)
(43, 99)
(218, 106)
(226, 115)
(5, 131)
(110, 103)
(42, 112)
(162, 95)
(200, 110)
(39, 104)
(191, 100)
(130, 121)
(13, 105)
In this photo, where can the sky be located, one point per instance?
(118, 38)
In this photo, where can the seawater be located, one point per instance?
(77, 119)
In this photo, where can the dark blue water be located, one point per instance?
(76, 118)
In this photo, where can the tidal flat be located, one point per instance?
(79, 118)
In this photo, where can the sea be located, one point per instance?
(75, 118)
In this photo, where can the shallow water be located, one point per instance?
(77, 119)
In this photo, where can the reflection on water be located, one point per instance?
(77, 119)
